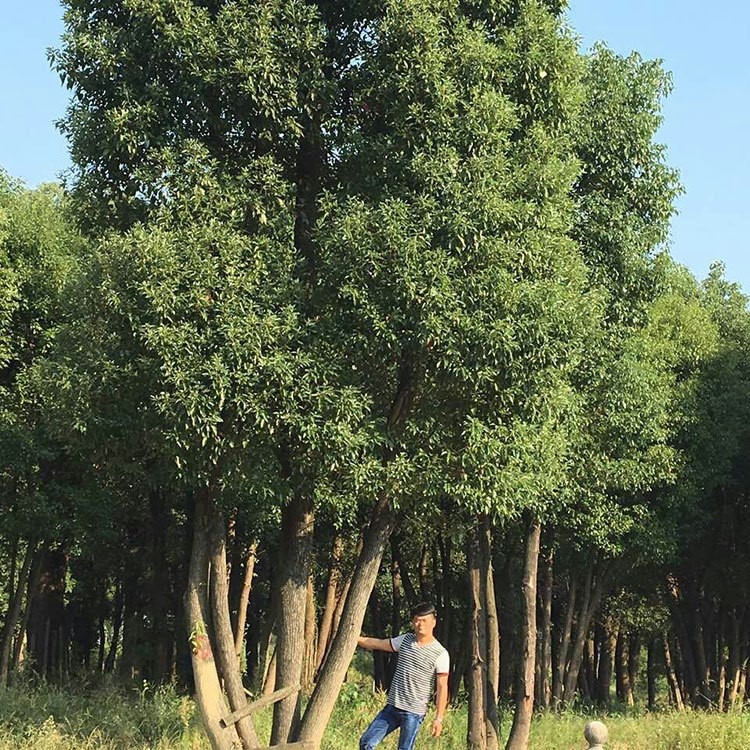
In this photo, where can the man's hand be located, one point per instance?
(437, 728)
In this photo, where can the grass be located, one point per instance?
(112, 717)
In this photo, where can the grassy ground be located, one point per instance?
(114, 718)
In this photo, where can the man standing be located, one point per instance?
(421, 659)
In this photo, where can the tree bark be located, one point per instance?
(608, 641)
(160, 587)
(14, 612)
(544, 686)
(734, 659)
(109, 662)
(624, 688)
(326, 620)
(308, 665)
(332, 675)
(476, 735)
(209, 695)
(227, 662)
(519, 733)
(674, 685)
(592, 597)
(296, 554)
(247, 585)
(558, 677)
(651, 674)
(493, 635)
(409, 591)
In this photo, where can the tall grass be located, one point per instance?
(112, 717)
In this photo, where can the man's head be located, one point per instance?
(423, 619)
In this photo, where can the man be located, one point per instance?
(421, 659)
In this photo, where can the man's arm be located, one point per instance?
(441, 701)
(375, 644)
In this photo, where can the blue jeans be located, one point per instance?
(385, 722)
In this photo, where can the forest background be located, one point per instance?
(350, 306)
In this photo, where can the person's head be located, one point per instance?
(423, 618)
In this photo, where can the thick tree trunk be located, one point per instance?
(296, 555)
(227, 662)
(209, 695)
(14, 612)
(332, 675)
(519, 733)
(326, 620)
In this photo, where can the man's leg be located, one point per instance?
(383, 724)
(410, 724)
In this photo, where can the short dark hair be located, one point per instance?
(422, 609)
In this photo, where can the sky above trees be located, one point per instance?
(706, 116)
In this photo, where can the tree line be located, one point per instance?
(346, 306)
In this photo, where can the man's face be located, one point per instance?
(424, 624)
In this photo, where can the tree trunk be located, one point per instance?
(446, 619)
(227, 662)
(209, 695)
(247, 585)
(332, 675)
(161, 594)
(409, 591)
(296, 554)
(424, 588)
(634, 660)
(558, 677)
(47, 613)
(734, 659)
(476, 735)
(493, 635)
(109, 662)
(519, 733)
(592, 597)
(651, 674)
(308, 665)
(624, 687)
(326, 621)
(674, 685)
(544, 686)
(14, 612)
(608, 642)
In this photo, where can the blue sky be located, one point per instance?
(707, 117)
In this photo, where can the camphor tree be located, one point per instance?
(347, 246)
(38, 250)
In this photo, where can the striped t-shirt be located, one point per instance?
(416, 667)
